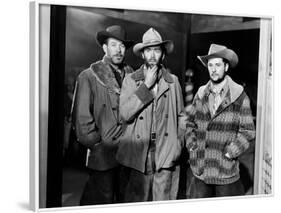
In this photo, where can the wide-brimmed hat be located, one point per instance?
(220, 51)
(152, 38)
(114, 31)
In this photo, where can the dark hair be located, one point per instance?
(225, 61)
(107, 39)
(161, 46)
(163, 50)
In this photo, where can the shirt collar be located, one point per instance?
(220, 88)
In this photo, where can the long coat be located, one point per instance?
(209, 138)
(96, 114)
(136, 110)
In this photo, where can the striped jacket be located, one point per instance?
(209, 138)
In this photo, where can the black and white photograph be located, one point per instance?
(149, 106)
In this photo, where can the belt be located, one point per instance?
(150, 160)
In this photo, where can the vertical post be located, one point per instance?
(262, 133)
(43, 98)
(56, 106)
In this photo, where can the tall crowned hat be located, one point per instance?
(220, 51)
(114, 31)
(152, 38)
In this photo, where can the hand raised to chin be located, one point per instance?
(151, 76)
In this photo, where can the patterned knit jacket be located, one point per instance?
(209, 138)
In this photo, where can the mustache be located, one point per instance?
(118, 55)
(151, 61)
(214, 74)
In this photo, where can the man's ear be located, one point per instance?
(104, 47)
(142, 55)
(163, 56)
(226, 67)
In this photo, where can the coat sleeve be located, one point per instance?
(133, 98)
(246, 132)
(85, 126)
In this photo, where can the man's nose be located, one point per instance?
(213, 69)
(152, 54)
(118, 48)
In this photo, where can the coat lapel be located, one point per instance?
(138, 75)
(205, 106)
(163, 87)
(225, 103)
(104, 73)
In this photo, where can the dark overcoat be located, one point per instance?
(96, 114)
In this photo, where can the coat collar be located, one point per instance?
(139, 74)
(103, 71)
(235, 90)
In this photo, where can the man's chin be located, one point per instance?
(117, 61)
(151, 64)
(217, 80)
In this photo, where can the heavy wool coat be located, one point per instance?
(136, 109)
(96, 113)
(209, 138)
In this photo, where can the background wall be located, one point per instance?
(83, 24)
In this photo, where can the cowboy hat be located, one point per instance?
(220, 51)
(152, 38)
(114, 31)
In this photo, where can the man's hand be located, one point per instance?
(151, 76)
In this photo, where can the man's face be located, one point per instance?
(152, 55)
(115, 50)
(217, 69)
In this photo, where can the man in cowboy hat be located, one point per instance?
(220, 128)
(150, 106)
(96, 116)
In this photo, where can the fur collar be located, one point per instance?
(103, 71)
(235, 90)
